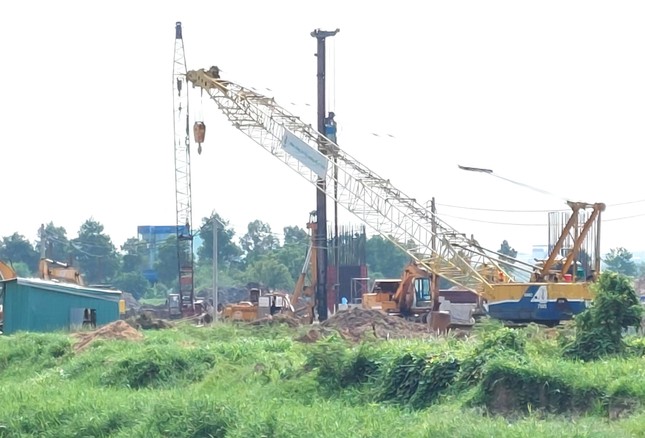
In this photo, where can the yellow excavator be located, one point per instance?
(52, 270)
(6, 271)
(48, 269)
(300, 304)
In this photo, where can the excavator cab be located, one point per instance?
(254, 296)
(174, 308)
(422, 293)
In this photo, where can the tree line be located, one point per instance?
(259, 255)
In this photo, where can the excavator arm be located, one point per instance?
(6, 271)
(58, 271)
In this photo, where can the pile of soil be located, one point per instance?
(115, 330)
(280, 318)
(131, 302)
(357, 323)
(148, 321)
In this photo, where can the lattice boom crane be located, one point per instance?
(373, 199)
(183, 194)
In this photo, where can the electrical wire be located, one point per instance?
(528, 224)
(505, 210)
(500, 210)
(491, 222)
(624, 217)
(544, 192)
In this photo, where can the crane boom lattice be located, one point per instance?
(373, 199)
(183, 195)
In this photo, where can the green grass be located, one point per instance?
(228, 381)
(152, 301)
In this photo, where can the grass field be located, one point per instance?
(227, 381)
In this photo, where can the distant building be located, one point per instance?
(36, 305)
(154, 236)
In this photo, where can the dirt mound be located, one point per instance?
(277, 319)
(115, 330)
(356, 323)
(148, 320)
(131, 302)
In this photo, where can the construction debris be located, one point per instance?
(147, 320)
(280, 318)
(131, 302)
(115, 330)
(357, 323)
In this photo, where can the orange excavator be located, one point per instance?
(416, 296)
(411, 296)
(300, 304)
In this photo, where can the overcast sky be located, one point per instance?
(548, 93)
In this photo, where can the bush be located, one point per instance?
(504, 343)
(509, 387)
(417, 380)
(195, 418)
(38, 349)
(599, 329)
(158, 367)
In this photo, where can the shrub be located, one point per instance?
(417, 379)
(599, 329)
(158, 367)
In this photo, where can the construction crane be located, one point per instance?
(430, 241)
(183, 195)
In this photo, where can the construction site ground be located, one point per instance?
(360, 373)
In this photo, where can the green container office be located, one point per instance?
(44, 306)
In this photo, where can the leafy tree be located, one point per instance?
(94, 251)
(620, 260)
(271, 273)
(166, 264)
(22, 270)
(294, 235)
(133, 257)
(228, 252)
(57, 245)
(16, 248)
(599, 328)
(132, 282)
(258, 241)
(640, 269)
(292, 257)
(385, 257)
(159, 290)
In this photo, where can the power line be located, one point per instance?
(624, 217)
(491, 222)
(527, 224)
(501, 210)
(505, 210)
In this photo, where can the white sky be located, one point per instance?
(550, 93)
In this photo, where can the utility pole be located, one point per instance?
(321, 194)
(43, 242)
(216, 225)
(331, 133)
(435, 278)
